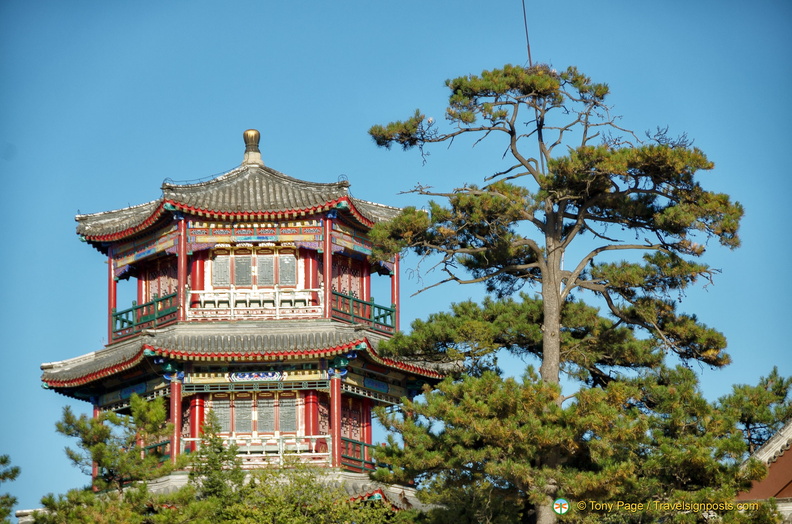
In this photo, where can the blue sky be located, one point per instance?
(101, 101)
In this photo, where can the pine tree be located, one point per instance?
(760, 410)
(300, 494)
(559, 223)
(7, 473)
(635, 432)
(119, 445)
(615, 197)
(216, 470)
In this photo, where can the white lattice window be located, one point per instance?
(277, 412)
(221, 406)
(246, 268)
(277, 267)
(232, 267)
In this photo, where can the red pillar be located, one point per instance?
(367, 428)
(196, 419)
(335, 418)
(328, 266)
(176, 416)
(366, 281)
(197, 275)
(311, 272)
(181, 271)
(395, 300)
(112, 298)
(311, 413)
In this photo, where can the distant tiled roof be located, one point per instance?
(776, 446)
(250, 191)
(240, 341)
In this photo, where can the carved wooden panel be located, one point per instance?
(287, 270)
(287, 414)
(243, 275)
(222, 408)
(266, 414)
(243, 415)
(324, 415)
(266, 270)
(221, 270)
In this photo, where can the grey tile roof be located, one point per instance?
(220, 340)
(250, 188)
(85, 367)
(109, 222)
(258, 338)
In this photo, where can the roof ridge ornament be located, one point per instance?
(252, 152)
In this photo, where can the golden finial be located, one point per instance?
(252, 152)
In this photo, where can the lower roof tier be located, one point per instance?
(284, 341)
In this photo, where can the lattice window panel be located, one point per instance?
(266, 414)
(287, 414)
(243, 415)
(351, 422)
(324, 416)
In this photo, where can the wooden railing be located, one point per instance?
(275, 302)
(276, 451)
(160, 449)
(356, 311)
(158, 312)
(266, 303)
(260, 451)
(356, 455)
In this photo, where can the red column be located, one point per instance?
(112, 298)
(196, 419)
(181, 272)
(315, 277)
(311, 413)
(366, 281)
(328, 266)
(367, 429)
(335, 418)
(197, 275)
(395, 300)
(175, 416)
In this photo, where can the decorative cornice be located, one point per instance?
(776, 446)
(262, 342)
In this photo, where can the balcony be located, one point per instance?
(279, 451)
(252, 304)
(356, 311)
(255, 303)
(160, 311)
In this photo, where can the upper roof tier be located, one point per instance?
(251, 191)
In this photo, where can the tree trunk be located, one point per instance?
(550, 370)
(551, 302)
(545, 514)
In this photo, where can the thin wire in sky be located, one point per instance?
(527, 41)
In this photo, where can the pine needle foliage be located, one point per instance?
(555, 221)
(120, 446)
(577, 211)
(7, 473)
(760, 410)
